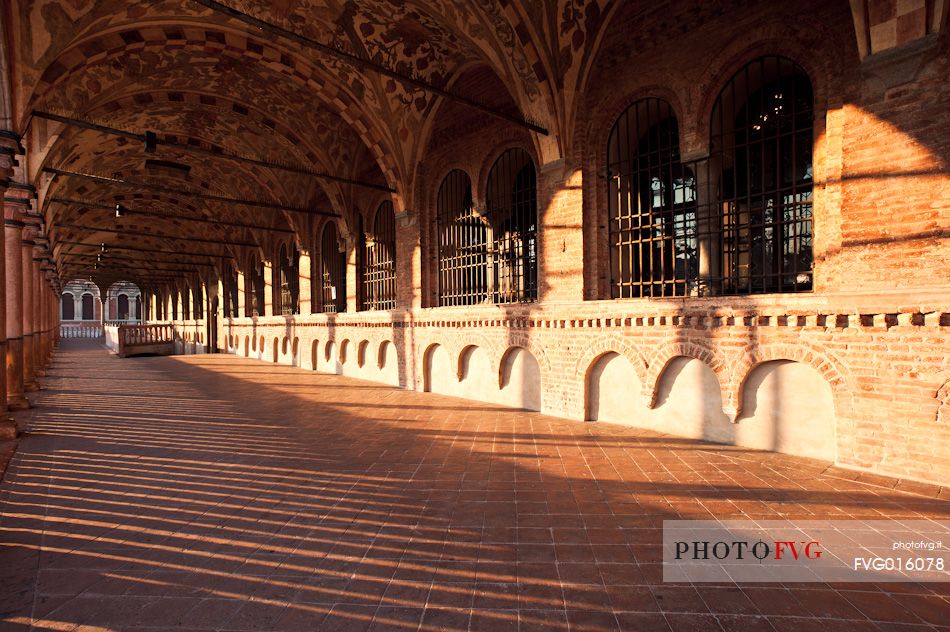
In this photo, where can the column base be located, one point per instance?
(8, 429)
(18, 402)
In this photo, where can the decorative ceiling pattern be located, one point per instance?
(200, 78)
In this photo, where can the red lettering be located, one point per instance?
(780, 549)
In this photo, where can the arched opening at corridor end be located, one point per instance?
(123, 302)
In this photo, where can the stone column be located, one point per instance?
(4, 428)
(39, 322)
(26, 311)
(13, 238)
(410, 268)
(50, 302)
(242, 296)
(268, 289)
(44, 315)
(304, 286)
(39, 311)
(560, 240)
(56, 315)
(352, 275)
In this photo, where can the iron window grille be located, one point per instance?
(511, 207)
(761, 144)
(379, 261)
(333, 263)
(490, 255)
(289, 281)
(738, 222)
(254, 293)
(231, 294)
(652, 205)
(463, 244)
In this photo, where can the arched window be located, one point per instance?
(761, 144)
(333, 270)
(122, 307)
(233, 301)
(289, 280)
(254, 290)
(186, 304)
(463, 244)
(68, 309)
(199, 303)
(229, 283)
(651, 204)
(379, 261)
(511, 207)
(88, 307)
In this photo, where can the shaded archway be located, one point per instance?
(123, 302)
(67, 306)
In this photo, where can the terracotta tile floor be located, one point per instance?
(217, 493)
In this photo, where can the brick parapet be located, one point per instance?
(883, 355)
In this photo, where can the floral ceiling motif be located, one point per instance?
(195, 75)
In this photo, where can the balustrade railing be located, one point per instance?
(146, 334)
(84, 330)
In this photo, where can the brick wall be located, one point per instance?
(876, 329)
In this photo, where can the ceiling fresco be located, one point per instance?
(305, 93)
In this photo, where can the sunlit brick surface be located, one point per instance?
(212, 492)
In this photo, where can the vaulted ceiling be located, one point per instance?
(346, 88)
(251, 99)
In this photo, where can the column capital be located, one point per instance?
(16, 206)
(10, 147)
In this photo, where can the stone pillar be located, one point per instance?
(39, 322)
(242, 295)
(56, 315)
(26, 312)
(13, 240)
(3, 316)
(39, 315)
(268, 289)
(560, 238)
(45, 316)
(352, 275)
(49, 304)
(410, 271)
(305, 287)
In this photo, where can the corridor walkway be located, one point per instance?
(219, 493)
